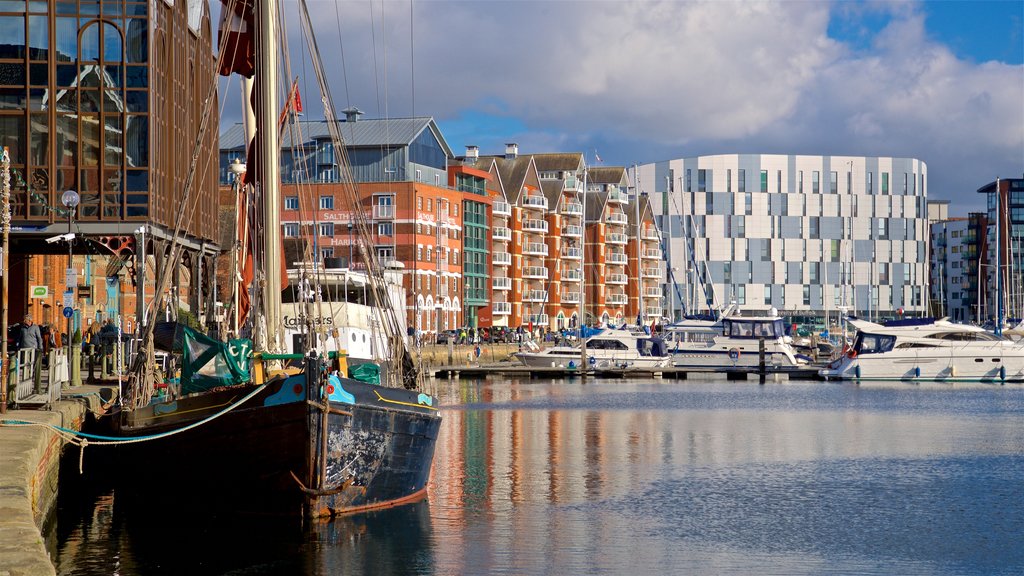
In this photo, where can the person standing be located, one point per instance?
(31, 338)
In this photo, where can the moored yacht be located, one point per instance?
(735, 344)
(607, 349)
(928, 349)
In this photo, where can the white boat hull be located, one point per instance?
(570, 358)
(1002, 363)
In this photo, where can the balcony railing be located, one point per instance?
(502, 308)
(616, 218)
(572, 275)
(651, 254)
(572, 209)
(535, 201)
(572, 184)
(383, 212)
(617, 258)
(620, 279)
(501, 283)
(535, 272)
(535, 249)
(651, 234)
(652, 292)
(500, 208)
(572, 231)
(618, 196)
(502, 233)
(536, 296)
(540, 226)
(538, 319)
(653, 312)
(616, 299)
(651, 273)
(616, 238)
(570, 297)
(502, 259)
(572, 253)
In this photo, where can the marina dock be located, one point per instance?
(514, 369)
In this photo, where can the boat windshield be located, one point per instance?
(651, 347)
(751, 328)
(606, 344)
(968, 336)
(873, 343)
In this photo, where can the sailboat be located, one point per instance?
(259, 430)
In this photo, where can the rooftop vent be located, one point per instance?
(511, 150)
(472, 152)
(352, 113)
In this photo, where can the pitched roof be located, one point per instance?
(558, 161)
(607, 175)
(360, 133)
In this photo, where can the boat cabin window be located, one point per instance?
(651, 347)
(604, 344)
(967, 336)
(754, 328)
(873, 343)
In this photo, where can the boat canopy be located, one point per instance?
(873, 343)
(651, 347)
(754, 328)
(209, 363)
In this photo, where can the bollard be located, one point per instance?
(760, 360)
(76, 366)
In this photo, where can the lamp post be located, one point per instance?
(70, 199)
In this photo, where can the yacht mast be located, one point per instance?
(999, 268)
(269, 151)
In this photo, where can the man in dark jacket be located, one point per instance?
(30, 338)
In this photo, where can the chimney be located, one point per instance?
(472, 152)
(511, 150)
(352, 114)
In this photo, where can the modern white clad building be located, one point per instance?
(952, 249)
(808, 235)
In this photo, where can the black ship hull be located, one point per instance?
(357, 447)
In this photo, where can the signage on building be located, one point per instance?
(71, 277)
(69, 298)
(40, 292)
(85, 291)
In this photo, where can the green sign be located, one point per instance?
(40, 291)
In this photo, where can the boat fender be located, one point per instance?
(852, 354)
(917, 372)
(1002, 373)
(734, 353)
(856, 371)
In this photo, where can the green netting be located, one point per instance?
(209, 363)
(366, 373)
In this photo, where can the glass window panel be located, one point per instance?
(40, 179)
(12, 74)
(64, 179)
(67, 135)
(138, 101)
(112, 206)
(67, 39)
(12, 135)
(113, 76)
(113, 150)
(137, 41)
(89, 7)
(12, 30)
(135, 10)
(66, 74)
(137, 140)
(89, 100)
(37, 6)
(137, 181)
(89, 129)
(138, 198)
(113, 181)
(12, 6)
(137, 211)
(39, 139)
(111, 8)
(39, 74)
(38, 37)
(67, 8)
(38, 99)
(113, 102)
(111, 43)
(89, 45)
(137, 77)
(12, 98)
(67, 100)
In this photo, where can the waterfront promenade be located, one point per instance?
(29, 470)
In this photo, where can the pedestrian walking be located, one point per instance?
(31, 338)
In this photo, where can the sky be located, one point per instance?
(646, 81)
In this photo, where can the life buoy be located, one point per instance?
(734, 353)
(852, 354)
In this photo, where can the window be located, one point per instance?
(728, 180)
(291, 230)
(385, 229)
(702, 180)
(767, 294)
(419, 253)
(883, 229)
(748, 204)
(742, 180)
(800, 182)
(688, 183)
(815, 272)
(816, 182)
(833, 185)
(419, 202)
(778, 181)
(764, 180)
(871, 183)
(430, 254)
(885, 183)
(327, 252)
(883, 273)
(849, 182)
(327, 228)
(327, 202)
(741, 294)
(291, 202)
(807, 295)
(430, 204)
(906, 183)
(815, 228)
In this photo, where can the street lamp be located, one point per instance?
(70, 199)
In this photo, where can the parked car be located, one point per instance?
(448, 336)
(501, 334)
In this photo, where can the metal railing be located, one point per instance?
(536, 249)
(502, 233)
(535, 201)
(535, 272)
(620, 279)
(572, 253)
(502, 258)
(502, 308)
(536, 296)
(572, 230)
(383, 211)
(535, 226)
(617, 258)
(500, 208)
(501, 283)
(616, 238)
(572, 208)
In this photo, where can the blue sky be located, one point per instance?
(646, 81)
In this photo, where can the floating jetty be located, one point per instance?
(509, 369)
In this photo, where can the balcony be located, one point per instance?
(501, 283)
(539, 226)
(619, 279)
(500, 208)
(535, 272)
(383, 212)
(652, 292)
(572, 253)
(572, 231)
(502, 233)
(535, 201)
(538, 319)
(616, 238)
(572, 184)
(502, 308)
(616, 299)
(572, 275)
(650, 273)
(616, 218)
(653, 312)
(535, 249)
(651, 234)
(501, 259)
(617, 258)
(570, 297)
(650, 254)
(536, 296)
(572, 209)
(618, 197)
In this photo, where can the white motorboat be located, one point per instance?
(607, 349)
(928, 349)
(735, 344)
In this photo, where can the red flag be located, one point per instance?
(294, 104)
(237, 37)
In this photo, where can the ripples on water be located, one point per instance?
(634, 477)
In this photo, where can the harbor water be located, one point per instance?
(624, 477)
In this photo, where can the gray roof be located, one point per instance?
(360, 133)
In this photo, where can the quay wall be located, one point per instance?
(29, 472)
